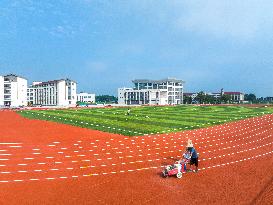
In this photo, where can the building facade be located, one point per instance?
(13, 91)
(237, 97)
(86, 97)
(153, 92)
(1, 90)
(53, 93)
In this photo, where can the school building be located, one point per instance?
(13, 90)
(167, 91)
(53, 93)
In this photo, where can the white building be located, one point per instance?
(237, 97)
(53, 93)
(86, 97)
(153, 92)
(1, 90)
(13, 91)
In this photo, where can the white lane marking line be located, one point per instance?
(28, 158)
(9, 143)
(34, 179)
(4, 181)
(5, 172)
(3, 150)
(4, 159)
(5, 154)
(41, 163)
(22, 164)
(15, 146)
(63, 177)
(18, 180)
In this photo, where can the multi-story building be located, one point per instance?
(53, 93)
(1, 90)
(234, 96)
(153, 92)
(13, 91)
(86, 97)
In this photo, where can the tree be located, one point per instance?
(106, 99)
(250, 97)
(200, 97)
(209, 99)
(187, 99)
(225, 98)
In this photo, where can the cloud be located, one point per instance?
(97, 67)
(131, 48)
(237, 18)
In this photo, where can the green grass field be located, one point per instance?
(147, 120)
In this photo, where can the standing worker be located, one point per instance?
(194, 156)
(128, 111)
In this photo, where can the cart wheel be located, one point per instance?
(179, 175)
(164, 174)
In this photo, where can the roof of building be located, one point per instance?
(227, 93)
(233, 93)
(158, 81)
(85, 93)
(13, 75)
(53, 81)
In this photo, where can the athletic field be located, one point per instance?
(148, 120)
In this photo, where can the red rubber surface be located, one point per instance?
(61, 164)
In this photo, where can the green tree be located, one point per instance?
(225, 98)
(187, 99)
(200, 98)
(209, 99)
(250, 97)
(106, 99)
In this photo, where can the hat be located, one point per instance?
(189, 144)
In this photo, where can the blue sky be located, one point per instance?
(104, 44)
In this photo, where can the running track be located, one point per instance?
(49, 163)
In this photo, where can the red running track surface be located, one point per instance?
(49, 163)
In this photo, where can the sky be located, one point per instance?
(105, 44)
